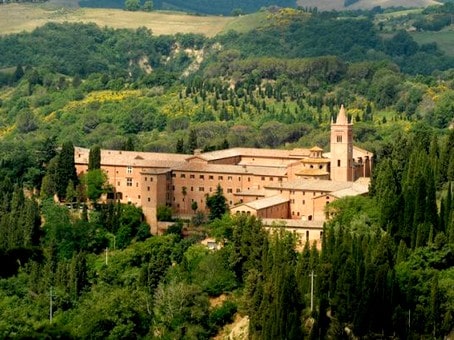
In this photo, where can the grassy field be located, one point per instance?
(444, 39)
(246, 23)
(15, 18)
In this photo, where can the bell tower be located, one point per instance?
(341, 148)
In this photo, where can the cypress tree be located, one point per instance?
(180, 146)
(94, 158)
(66, 170)
(129, 145)
(192, 141)
(32, 223)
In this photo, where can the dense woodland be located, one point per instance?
(79, 269)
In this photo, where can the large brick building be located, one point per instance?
(276, 185)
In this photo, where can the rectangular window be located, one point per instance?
(338, 162)
(191, 176)
(229, 190)
(202, 177)
(146, 179)
(339, 139)
(238, 190)
(220, 178)
(210, 177)
(271, 179)
(263, 178)
(149, 199)
(129, 169)
(201, 189)
(183, 176)
(304, 202)
(129, 182)
(148, 188)
(229, 178)
(174, 175)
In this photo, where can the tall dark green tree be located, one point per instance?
(217, 204)
(66, 170)
(192, 141)
(94, 158)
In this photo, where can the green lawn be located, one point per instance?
(444, 39)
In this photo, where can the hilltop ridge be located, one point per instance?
(327, 5)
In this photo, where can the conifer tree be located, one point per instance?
(66, 170)
(217, 204)
(94, 158)
(180, 146)
(192, 141)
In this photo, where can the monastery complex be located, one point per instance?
(289, 187)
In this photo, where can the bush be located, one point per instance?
(222, 315)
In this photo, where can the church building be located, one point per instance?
(285, 187)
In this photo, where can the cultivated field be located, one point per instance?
(15, 18)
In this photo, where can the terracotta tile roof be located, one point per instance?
(253, 152)
(266, 162)
(266, 171)
(312, 172)
(315, 160)
(212, 168)
(252, 192)
(155, 171)
(358, 152)
(132, 158)
(360, 187)
(232, 169)
(311, 185)
(293, 223)
(265, 202)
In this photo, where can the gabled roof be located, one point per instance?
(265, 202)
(252, 152)
(358, 152)
(360, 187)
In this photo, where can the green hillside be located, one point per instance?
(78, 267)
